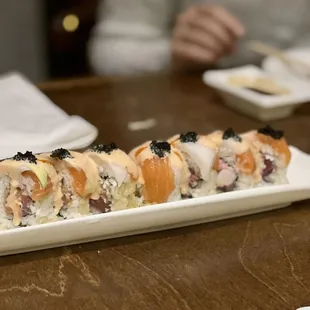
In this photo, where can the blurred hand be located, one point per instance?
(203, 34)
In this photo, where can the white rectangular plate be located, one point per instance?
(163, 216)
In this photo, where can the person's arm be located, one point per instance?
(132, 36)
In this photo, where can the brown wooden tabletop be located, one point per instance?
(254, 262)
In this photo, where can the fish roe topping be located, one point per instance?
(269, 131)
(61, 154)
(160, 148)
(28, 156)
(230, 134)
(190, 136)
(105, 148)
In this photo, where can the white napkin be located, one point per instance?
(30, 121)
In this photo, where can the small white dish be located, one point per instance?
(259, 106)
(278, 69)
(163, 216)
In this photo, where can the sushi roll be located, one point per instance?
(164, 171)
(200, 153)
(79, 180)
(216, 137)
(120, 180)
(272, 154)
(30, 191)
(235, 165)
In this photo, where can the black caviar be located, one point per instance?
(160, 148)
(190, 136)
(105, 148)
(28, 156)
(230, 134)
(269, 131)
(61, 154)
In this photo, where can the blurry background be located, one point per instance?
(46, 39)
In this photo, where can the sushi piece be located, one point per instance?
(30, 191)
(200, 153)
(120, 180)
(164, 171)
(236, 166)
(216, 137)
(79, 178)
(272, 154)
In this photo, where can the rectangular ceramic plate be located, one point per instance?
(219, 80)
(163, 216)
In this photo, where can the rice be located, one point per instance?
(5, 219)
(125, 197)
(120, 196)
(278, 175)
(37, 212)
(40, 212)
(206, 188)
(233, 174)
(201, 187)
(77, 207)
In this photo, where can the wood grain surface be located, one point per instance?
(255, 262)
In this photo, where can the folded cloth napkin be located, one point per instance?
(30, 121)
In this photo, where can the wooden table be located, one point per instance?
(255, 262)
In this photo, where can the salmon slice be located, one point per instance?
(38, 191)
(159, 180)
(245, 162)
(78, 180)
(265, 139)
(280, 146)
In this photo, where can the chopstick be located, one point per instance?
(267, 50)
